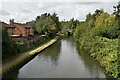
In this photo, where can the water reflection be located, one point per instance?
(43, 63)
(91, 65)
(51, 53)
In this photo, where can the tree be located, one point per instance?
(47, 24)
(56, 20)
(88, 16)
(117, 10)
(11, 21)
(8, 47)
(98, 12)
(31, 23)
(100, 20)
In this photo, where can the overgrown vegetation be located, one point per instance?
(98, 36)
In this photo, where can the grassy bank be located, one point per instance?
(28, 57)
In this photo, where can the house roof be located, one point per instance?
(19, 28)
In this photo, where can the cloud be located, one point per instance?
(78, 10)
(26, 11)
(4, 13)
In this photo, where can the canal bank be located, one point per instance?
(24, 58)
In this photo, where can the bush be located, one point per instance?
(8, 46)
(101, 41)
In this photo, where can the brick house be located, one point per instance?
(23, 30)
(17, 29)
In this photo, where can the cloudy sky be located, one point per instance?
(27, 10)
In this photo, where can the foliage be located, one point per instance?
(46, 24)
(72, 24)
(106, 26)
(8, 46)
(31, 23)
(98, 37)
(106, 51)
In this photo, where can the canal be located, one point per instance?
(61, 60)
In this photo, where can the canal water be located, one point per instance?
(61, 60)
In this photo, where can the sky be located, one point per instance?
(26, 10)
